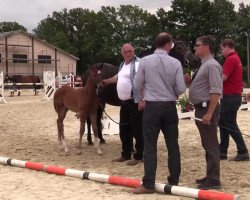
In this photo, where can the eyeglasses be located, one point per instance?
(197, 45)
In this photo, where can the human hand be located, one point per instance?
(206, 119)
(105, 82)
(141, 105)
(187, 77)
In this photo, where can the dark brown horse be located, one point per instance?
(16, 80)
(181, 52)
(108, 93)
(83, 101)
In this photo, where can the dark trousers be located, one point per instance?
(160, 116)
(209, 141)
(131, 127)
(228, 125)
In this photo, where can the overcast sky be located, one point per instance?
(30, 12)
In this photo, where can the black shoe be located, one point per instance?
(223, 156)
(172, 182)
(240, 157)
(208, 186)
(201, 180)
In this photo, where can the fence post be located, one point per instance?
(49, 84)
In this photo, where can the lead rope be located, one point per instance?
(126, 123)
(198, 119)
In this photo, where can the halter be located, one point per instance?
(185, 57)
(187, 54)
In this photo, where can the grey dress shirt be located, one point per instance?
(161, 76)
(207, 80)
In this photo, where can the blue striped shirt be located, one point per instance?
(161, 76)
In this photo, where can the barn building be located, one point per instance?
(24, 54)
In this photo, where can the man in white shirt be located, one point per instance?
(130, 118)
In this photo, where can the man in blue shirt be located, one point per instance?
(162, 78)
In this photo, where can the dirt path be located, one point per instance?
(28, 132)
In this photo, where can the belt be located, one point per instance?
(231, 95)
(127, 101)
(161, 102)
(203, 104)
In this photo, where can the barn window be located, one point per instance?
(20, 58)
(44, 59)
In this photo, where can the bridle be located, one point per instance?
(187, 54)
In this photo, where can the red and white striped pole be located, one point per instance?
(122, 181)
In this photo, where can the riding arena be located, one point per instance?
(29, 127)
(29, 133)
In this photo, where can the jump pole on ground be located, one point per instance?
(121, 181)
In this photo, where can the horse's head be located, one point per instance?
(184, 55)
(181, 52)
(95, 74)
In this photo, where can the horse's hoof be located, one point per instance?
(90, 144)
(99, 152)
(66, 151)
(78, 152)
(102, 141)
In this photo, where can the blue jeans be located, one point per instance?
(228, 125)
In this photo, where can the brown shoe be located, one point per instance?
(240, 157)
(133, 162)
(143, 190)
(120, 159)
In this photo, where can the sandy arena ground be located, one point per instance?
(28, 132)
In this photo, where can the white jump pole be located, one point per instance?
(2, 100)
(122, 181)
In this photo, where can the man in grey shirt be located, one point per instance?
(161, 77)
(205, 92)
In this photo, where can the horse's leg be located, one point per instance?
(83, 118)
(18, 91)
(99, 123)
(93, 118)
(12, 94)
(60, 127)
(89, 138)
(36, 89)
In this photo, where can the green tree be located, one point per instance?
(11, 26)
(190, 19)
(241, 30)
(97, 37)
(67, 30)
